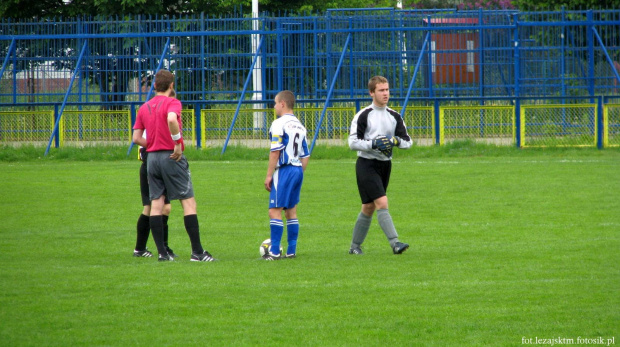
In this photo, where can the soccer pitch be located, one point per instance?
(503, 250)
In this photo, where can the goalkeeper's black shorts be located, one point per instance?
(373, 177)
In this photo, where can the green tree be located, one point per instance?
(20, 9)
(532, 5)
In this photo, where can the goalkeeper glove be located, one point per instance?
(381, 143)
(395, 140)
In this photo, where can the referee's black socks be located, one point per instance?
(143, 230)
(193, 231)
(157, 228)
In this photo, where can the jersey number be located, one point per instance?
(295, 145)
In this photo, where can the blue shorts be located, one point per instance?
(286, 187)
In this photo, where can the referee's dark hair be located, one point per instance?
(163, 79)
(287, 97)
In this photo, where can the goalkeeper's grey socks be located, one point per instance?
(385, 221)
(191, 226)
(360, 230)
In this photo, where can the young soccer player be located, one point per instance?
(167, 168)
(288, 160)
(375, 130)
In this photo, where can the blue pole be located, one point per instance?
(202, 59)
(517, 73)
(563, 54)
(198, 130)
(280, 60)
(437, 125)
(590, 36)
(329, 93)
(609, 60)
(64, 102)
(245, 88)
(480, 70)
(431, 64)
(599, 121)
(8, 55)
(351, 66)
(415, 73)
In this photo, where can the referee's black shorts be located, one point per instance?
(373, 177)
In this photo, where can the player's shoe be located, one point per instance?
(270, 256)
(290, 256)
(171, 253)
(165, 257)
(145, 253)
(204, 256)
(400, 247)
(356, 250)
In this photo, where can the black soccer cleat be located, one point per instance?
(356, 250)
(290, 256)
(171, 253)
(204, 256)
(270, 256)
(165, 257)
(400, 247)
(145, 253)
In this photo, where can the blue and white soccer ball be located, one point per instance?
(264, 247)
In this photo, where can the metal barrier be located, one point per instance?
(92, 127)
(26, 126)
(438, 58)
(494, 124)
(537, 123)
(468, 54)
(566, 125)
(612, 125)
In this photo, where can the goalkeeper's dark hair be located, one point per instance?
(163, 80)
(372, 82)
(287, 97)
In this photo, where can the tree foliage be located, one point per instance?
(27, 9)
(24, 9)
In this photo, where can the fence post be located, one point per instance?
(517, 92)
(56, 127)
(517, 121)
(198, 130)
(599, 122)
(590, 38)
(437, 123)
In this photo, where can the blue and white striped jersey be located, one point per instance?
(289, 135)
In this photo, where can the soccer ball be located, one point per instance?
(264, 247)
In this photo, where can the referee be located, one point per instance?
(375, 130)
(167, 168)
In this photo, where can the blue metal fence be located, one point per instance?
(471, 54)
(427, 55)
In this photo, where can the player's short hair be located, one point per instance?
(372, 83)
(163, 80)
(287, 97)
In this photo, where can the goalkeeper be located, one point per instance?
(375, 130)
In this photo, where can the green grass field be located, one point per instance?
(506, 245)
